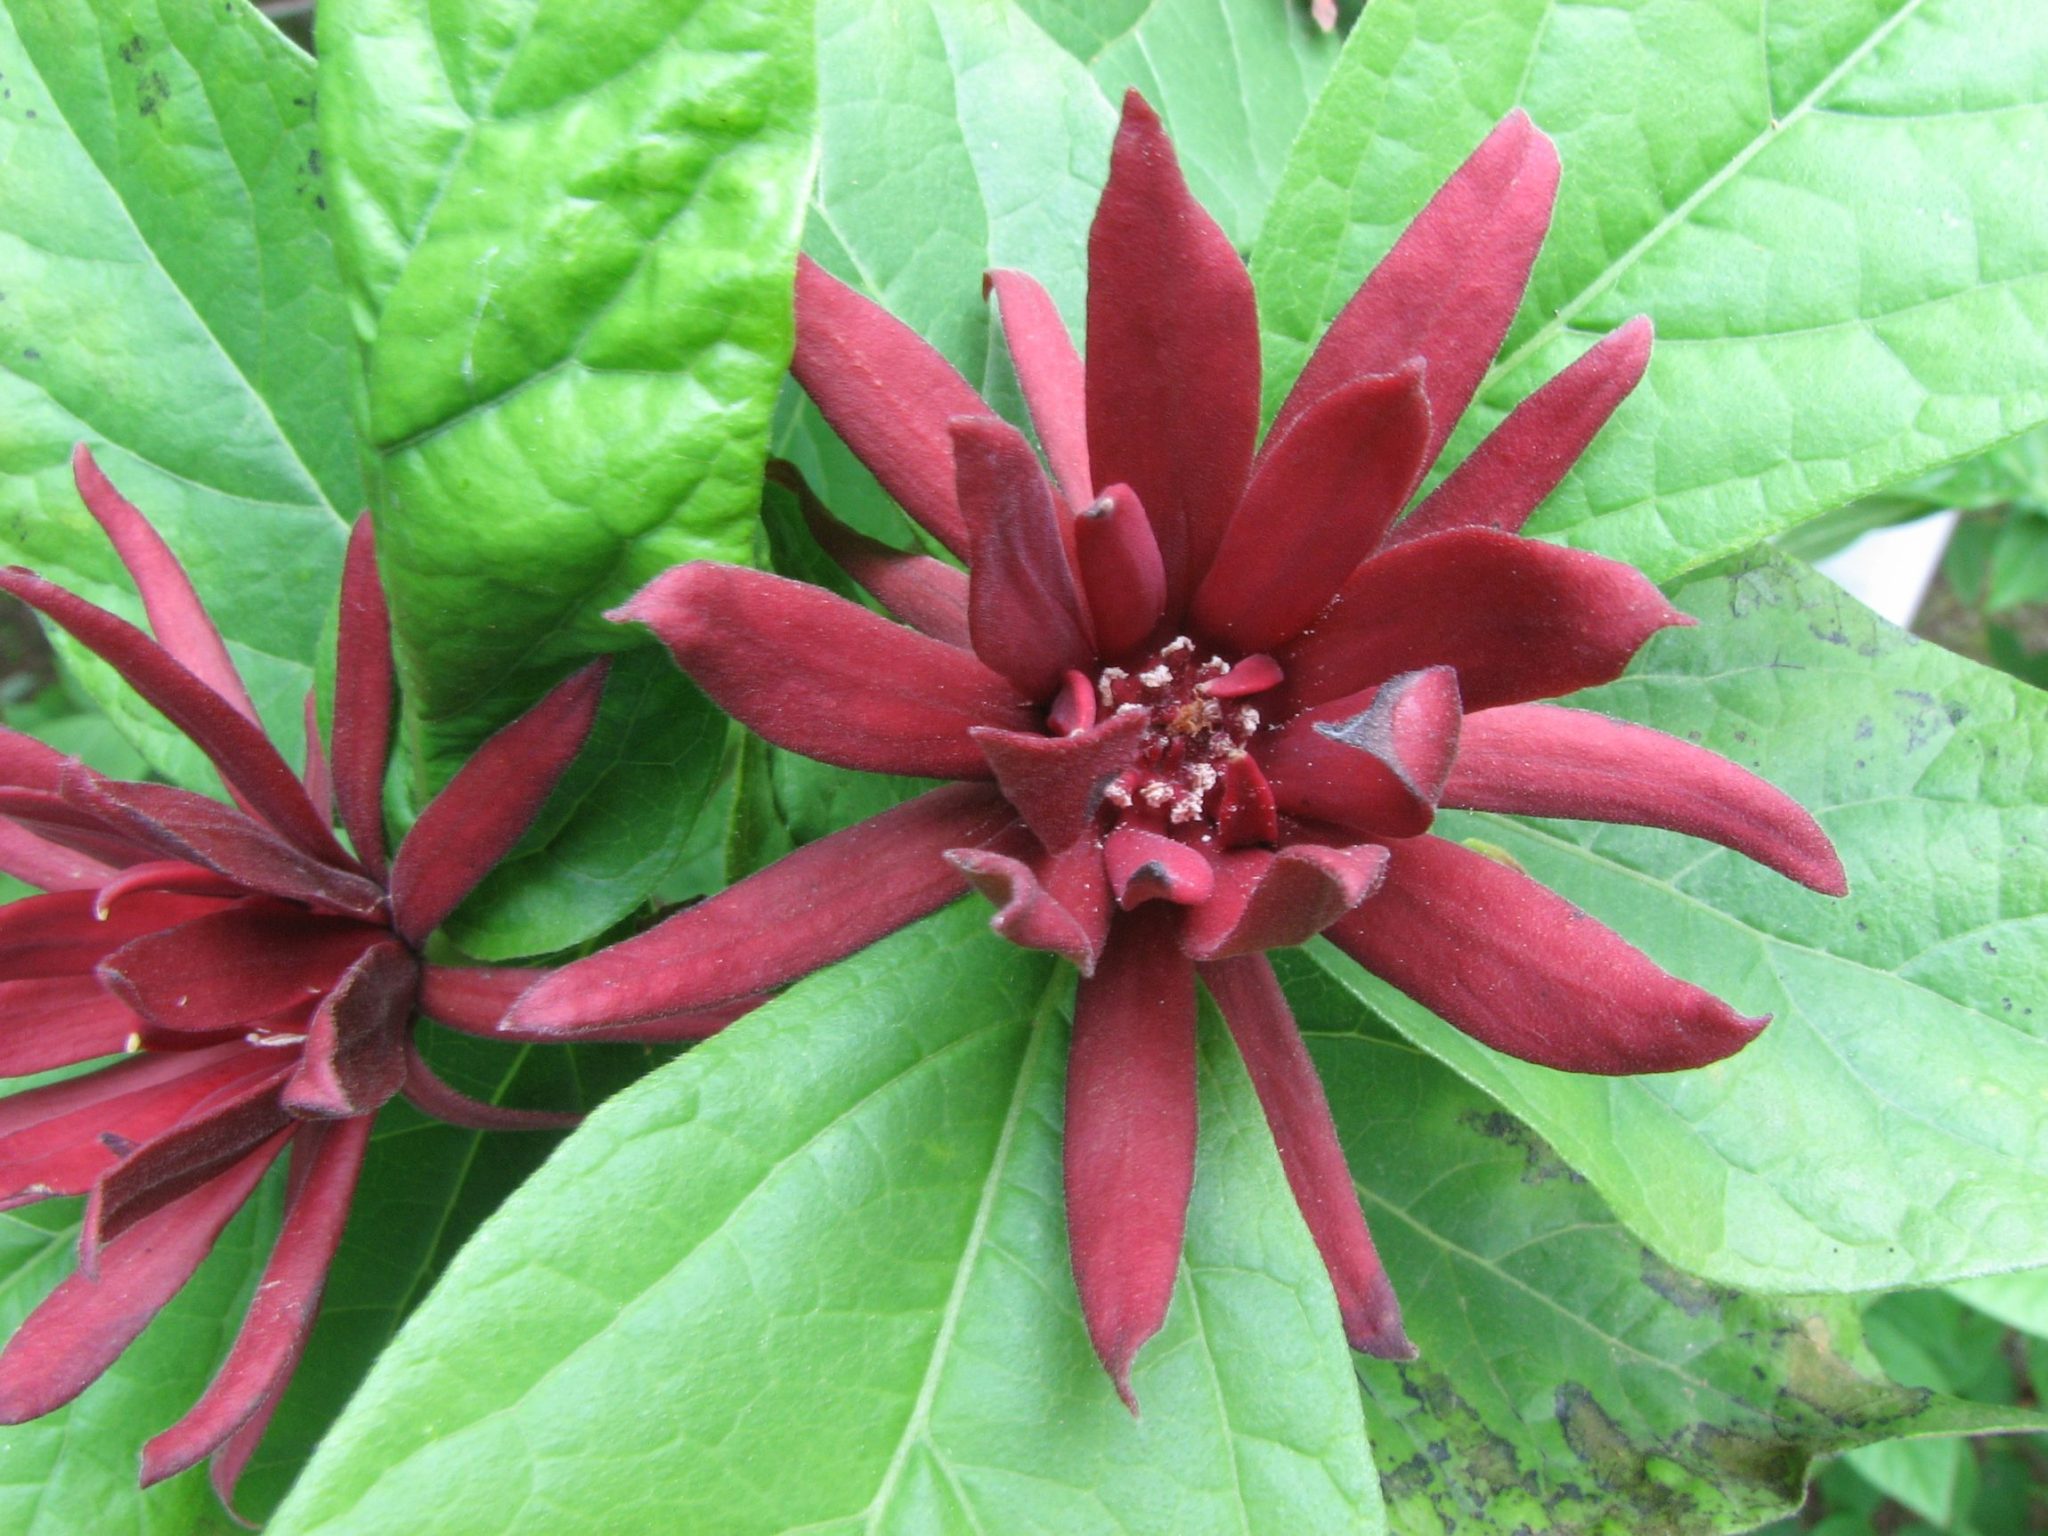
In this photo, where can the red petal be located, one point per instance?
(162, 875)
(61, 935)
(1073, 708)
(474, 999)
(363, 694)
(353, 1060)
(26, 763)
(52, 821)
(1376, 761)
(192, 829)
(489, 804)
(1121, 571)
(318, 777)
(1276, 900)
(1061, 905)
(1024, 606)
(82, 1326)
(1518, 619)
(325, 1162)
(1129, 1149)
(1173, 352)
(1324, 494)
(1521, 969)
(1147, 866)
(176, 616)
(235, 966)
(1449, 287)
(1540, 760)
(1056, 783)
(237, 747)
(928, 595)
(1507, 476)
(427, 1093)
(1246, 812)
(823, 677)
(58, 1139)
(208, 1139)
(887, 393)
(54, 1021)
(46, 865)
(814, 906)
(1299, 1116)
(1049, 372)
(1253, 675)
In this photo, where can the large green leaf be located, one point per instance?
(167, 294)
(813, 1276)
(1833, 210)
(1886, 1129)
(424, 1188)
(1569, 1378)
(568, 233)
(1232, 80)
(75, 1470)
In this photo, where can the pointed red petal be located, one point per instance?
(1121, 571)
(210, 1138)
(1277, 900)
(1518, 619)
(325, 1162)
(928, 595)
(46, 865)
(318, 777)
(1024, 606)
(1521, 969)
(1522, 460)
(1375, 761)
(1450, 286)
(814, 906)
(1059, 902)
(192, 829)
(62, 935)
(26, 763)
(1049, 372)
(1173, 353)
(1254, 675)
(1540, 760)
(82, 1326)
(1246, 813)
(54, 1021)
(255, 959)
(887, 393)
(235, 746)
(176, 616)
(473, 1000)
(54, 822)
(363, 693)
(1324, 494)
(353, 1060)
(823, 677)
(489, 804)
(1073, 708)
(1299, 1116)
(163, 875)
(1129, 1145)
(427, 1093)
(1148, 866)
(1056, 783)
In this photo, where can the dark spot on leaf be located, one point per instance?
(313, 162)
(1690, 1294)
(1865, 728)
(320, 203)
(131, 52)
(151, 92)
(1990, 948)
(1540, 1164)
(32, 354)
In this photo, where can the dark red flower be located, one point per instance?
(1206, 696)
(260, 978)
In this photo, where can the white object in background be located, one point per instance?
(1891, 569)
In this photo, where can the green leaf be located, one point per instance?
(425, 1187)
(1885, 1130)
(568, 233)
(1827, 206)
(813, 1275)
(1233, 82)
(614, 827)
(75, 1470)
(2019, 1301)
(1570, 1379)
(167, 295)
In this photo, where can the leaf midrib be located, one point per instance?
(1774, 129)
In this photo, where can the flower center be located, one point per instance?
(1191, 735)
